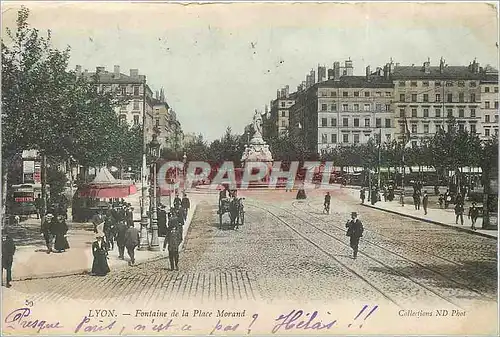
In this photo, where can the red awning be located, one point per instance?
(107, 190)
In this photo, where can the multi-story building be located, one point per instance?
(426, 96)
(279, 114)
(132, 90)
(489, 103)
(345, 110)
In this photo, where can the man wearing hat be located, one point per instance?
(8, 250)
(47, 231)
(131, 241)
(355, 232)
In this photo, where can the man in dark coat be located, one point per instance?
(8, 250)
(326, 204)
(459, 213)
(47, 231)
(473, 215)
(173, 239)
(130, 216)
(425, 202)
(120, 238)
(109, 230)
(131, 241)
(38, 206)
(354, 232)
(162, 221)
(177, 201)
(185, 205)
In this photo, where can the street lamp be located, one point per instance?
(184, 160)
(154, 154)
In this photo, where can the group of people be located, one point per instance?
(116, 225)
(55, 227)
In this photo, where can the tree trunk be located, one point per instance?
(486, 192)
(4, 191)
(44, 186)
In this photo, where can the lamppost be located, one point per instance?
(154, 153)
(184, 160)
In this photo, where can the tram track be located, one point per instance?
(324, 251)
(446, 277)
(378, 261)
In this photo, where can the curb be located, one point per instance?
(86, 271)
(432, 222)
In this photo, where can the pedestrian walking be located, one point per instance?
(8, 250)
(362, 195)
(374, 195)
(109, 230)
(425, 202)
(47, 231)
(185, 205)
(326, 203)
(441, 200)
(354, 232)
(459, 213)
(416, 200)
(100, 265)
(173, 239)
(60, 229)
(162, 221)
(131, 242)
(38, 206)
(177, 201)
(120, 238)
(473, 215)
(129, 214)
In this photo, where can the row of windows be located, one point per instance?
(487, 119)
(122, 89)
(487, 132)
(437, 113)
(123, 119)
(356, 122)
(358, 94)
(436, 83)
(487, 105)
(487, 89)
(425, 98)
(461, 126)
(345, 138)
(357, 107)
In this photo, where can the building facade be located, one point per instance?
(279, 114)
(426, 97)
(489, 103)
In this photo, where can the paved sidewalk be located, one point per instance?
(31, 260)
(437, 216)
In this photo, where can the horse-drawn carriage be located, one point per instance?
(233, 206)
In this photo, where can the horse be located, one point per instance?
(234, 212)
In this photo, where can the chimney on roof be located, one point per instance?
(387, 71)
(78, 69)
(321, 73)
(368, 73)
(336, 71)
(348, 67)
(330, 74)
(99, 70)
(427, 66)
(134, 73)
(116, 71)
(475, 67)
(287, 91)
(278, 93)
(441, 65)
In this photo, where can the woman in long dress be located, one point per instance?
(100, 252)
(60, 229)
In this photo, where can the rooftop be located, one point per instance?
(434, 72)
(374, 81)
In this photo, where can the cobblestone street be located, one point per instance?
(290, 250)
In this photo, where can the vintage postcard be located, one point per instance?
(249, 168)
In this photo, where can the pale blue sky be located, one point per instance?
(202, 54)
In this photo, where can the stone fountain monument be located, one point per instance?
(258, 149)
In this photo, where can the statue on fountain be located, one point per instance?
(257, 150)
